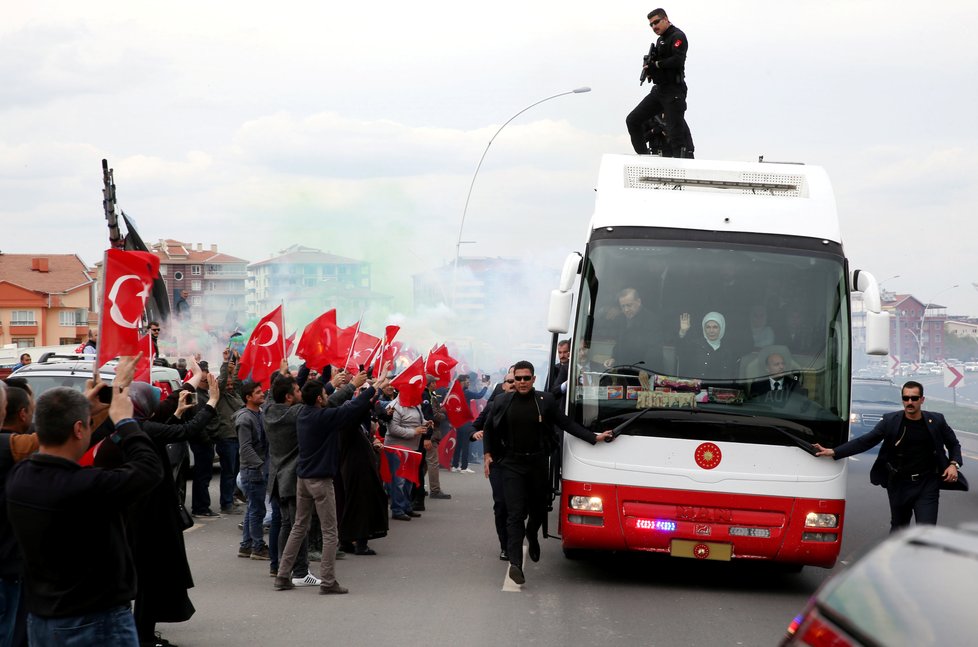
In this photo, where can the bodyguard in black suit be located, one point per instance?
(912, 462)
(519, 437)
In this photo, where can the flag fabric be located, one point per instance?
(265, 349)
(144, 369)
(446, 448)
(391, 354)
(318, 341)
(290, 344)
(410, 384)
(380, 358)
(408, 464)
(344, 345)
(440, 364)
(362, 350)
(456, 407)
(128, 284)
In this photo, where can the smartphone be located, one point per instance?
(191, 399)
(105, 393)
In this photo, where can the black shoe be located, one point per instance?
(366, 550)
(534, 548)
(440, 495)
(414, 514)
(503, 556)
(347, 546)
(516, 574)
(204, 514)
(419, 507)
(157, 641)
(401, 517)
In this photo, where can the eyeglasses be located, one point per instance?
(510, 381)
(655, 22)
(912, 398)
(523, 378)
(154, 329)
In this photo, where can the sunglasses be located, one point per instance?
(510, 381)
(523, 378)
(154, 329)
(912, 398)
(655, 22)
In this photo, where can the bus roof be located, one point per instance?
(773, 198)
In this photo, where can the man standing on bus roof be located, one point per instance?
(912, 461)
(519, 438)
(665, 66)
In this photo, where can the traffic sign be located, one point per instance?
(953, 378)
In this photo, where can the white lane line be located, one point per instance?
(508, 584)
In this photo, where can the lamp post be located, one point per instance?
(459, 242)
(920, 331)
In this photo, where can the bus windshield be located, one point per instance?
(757, 333)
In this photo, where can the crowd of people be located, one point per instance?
(309, 446)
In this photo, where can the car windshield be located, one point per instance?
(740, 330)
(882, 393)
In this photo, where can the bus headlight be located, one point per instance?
(588, 503)
(821, 520)
(855, 418)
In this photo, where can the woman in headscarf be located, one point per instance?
(705, 356)
(156, 529)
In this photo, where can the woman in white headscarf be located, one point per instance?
(705, 356)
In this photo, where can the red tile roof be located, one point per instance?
(65, 272)
(171, 251)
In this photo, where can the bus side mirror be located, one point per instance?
(877, 333)
(558, 315)
(568, 274)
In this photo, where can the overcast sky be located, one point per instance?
(356, 127)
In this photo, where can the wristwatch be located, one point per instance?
(955, 463)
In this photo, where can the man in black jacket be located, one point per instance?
(83, 592)
(519, 437)
(912, 462)
(666, 67)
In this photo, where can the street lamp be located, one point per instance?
(459, 242)
(919, 337)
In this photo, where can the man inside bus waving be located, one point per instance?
(519, 438)
(912, 461)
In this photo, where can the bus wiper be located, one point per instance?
(792, 430)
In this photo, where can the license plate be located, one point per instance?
(701, 550)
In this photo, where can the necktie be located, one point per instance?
(777, 385)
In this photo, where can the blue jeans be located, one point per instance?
(253, 483)
(274, 527)
(12, 613)
(227, 452)
(400, 487)
(200, 497)
(112, 628)
(460, 458)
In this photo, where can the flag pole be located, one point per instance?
(356, 334)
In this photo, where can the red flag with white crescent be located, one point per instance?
(410, 384)
(344, 345)
(409, 464)
(456, 406)
(144, 369)
(446, 448)
(440, 364)
(379, 358)
(265, 349)
(363, 349)
(127, 286)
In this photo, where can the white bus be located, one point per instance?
(713, 459)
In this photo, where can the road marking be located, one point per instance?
(508, 584)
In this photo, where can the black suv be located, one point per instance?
(871, 398)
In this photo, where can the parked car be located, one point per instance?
(915, 588)
(52, 370)
(871, 398)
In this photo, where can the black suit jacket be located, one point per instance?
(789, 386)
(497, 429)
(887, 430)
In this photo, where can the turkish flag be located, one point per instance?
(446, 448)
(391, 354)
(440, 364)
(456, 407)
(318, 340)
(364, 347)
(344, 345)
(265, 349)
(144, 368)
(380, 358)
(128, 284)
(290, 344)
(409, 463)
(410, 384)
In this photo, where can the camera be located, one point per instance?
(105, 393)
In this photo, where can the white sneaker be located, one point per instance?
(466, 471)
(455, 470)
(308, 580)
